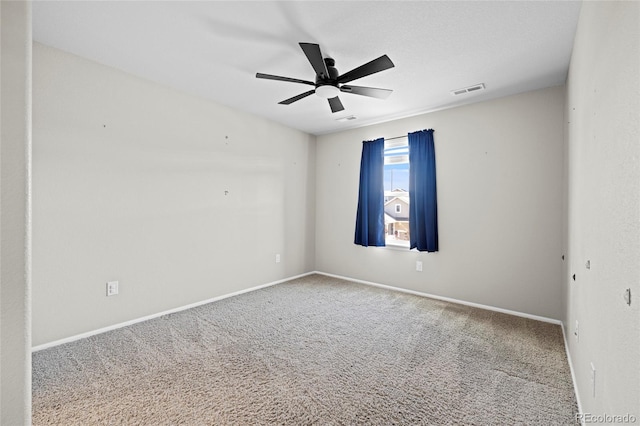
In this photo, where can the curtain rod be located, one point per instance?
(395, 137)
(398, 137)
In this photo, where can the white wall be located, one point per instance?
(129, 184)
(603, 206)
(499, 180)
(15, 157)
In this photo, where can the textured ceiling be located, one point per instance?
(213, 50)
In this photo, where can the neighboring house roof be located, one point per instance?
(389, 219)
(403, 199)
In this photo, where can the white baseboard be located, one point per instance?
(447, 299)
(573, 374)
(159, 314)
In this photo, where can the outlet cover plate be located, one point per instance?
(112, 288)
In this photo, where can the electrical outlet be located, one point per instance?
(593, 379)
(277, 258)
(419, 265)
(112, 288)
(576, 331)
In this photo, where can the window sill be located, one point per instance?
(396, 246)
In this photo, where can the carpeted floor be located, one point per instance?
(315, 350)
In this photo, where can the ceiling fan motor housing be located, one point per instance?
(333, 74)
(327, 86)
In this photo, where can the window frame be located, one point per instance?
(401, 145)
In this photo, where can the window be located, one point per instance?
(397, 200)
(396, 192)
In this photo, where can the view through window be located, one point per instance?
(396, 191)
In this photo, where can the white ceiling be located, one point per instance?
(213, 49)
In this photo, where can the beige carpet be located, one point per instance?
(315, 350)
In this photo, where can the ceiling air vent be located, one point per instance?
(348, 118)
(469, 89)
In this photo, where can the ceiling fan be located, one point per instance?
(329, 83)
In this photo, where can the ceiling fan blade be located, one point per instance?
(372, 92)
(314, 55)
(335, 104)
(297, 98)
(277, 77)
(380, 64)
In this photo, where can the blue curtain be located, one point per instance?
(423, 206)
(370, 215)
